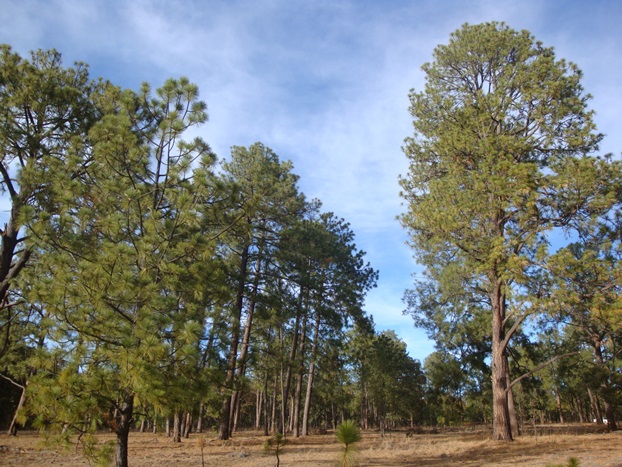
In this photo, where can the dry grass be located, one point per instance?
(464, 447)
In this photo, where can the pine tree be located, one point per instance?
(500, 156)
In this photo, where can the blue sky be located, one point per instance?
(323, 83)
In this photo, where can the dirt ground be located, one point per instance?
(465, 447)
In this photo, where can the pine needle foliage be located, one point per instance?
(348, 433)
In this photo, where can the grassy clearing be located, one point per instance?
(469, 446)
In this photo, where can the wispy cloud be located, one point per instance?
(323, 83)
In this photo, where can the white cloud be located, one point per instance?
(324, 84)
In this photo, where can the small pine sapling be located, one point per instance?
(275, 444)
(348, 433)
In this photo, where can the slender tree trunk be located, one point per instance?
(200, 419)
(124, 420)
(258, 405)
(243, 357)
(292, 358)
(225, 415)
(12, 431)
(274, 403)
(265, 407)
(579, 405)
(558, 400)
(310, 377)
(501, 416)
(511, 407)
(188, 425)
(595, 406)
(299, 379)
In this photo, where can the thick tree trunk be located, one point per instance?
(604, 386)
(501, 428)
(124, 420)
(176, 427)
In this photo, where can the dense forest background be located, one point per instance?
(146, 285)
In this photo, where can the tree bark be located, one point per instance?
(123, 423)
(501, 428)
(176, 427)
(188, 425)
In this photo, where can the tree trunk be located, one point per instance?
(299, 380)
(274, 403)
(290, 363)
(265, 406)
(188, 425)
(558, 400)
(123, 423)
(176, 427)
(604, 386)
(310, 377)
(579, 404)
(225, 414)
(243, 358)
(501, 429)
(595, 406)
(200, 419)
(22, 398)
(511, 407)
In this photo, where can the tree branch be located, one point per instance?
(538, 368)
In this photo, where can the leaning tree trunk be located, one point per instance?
(501, 428)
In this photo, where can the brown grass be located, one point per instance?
(471, 446)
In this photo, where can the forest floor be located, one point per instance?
(467, 446)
